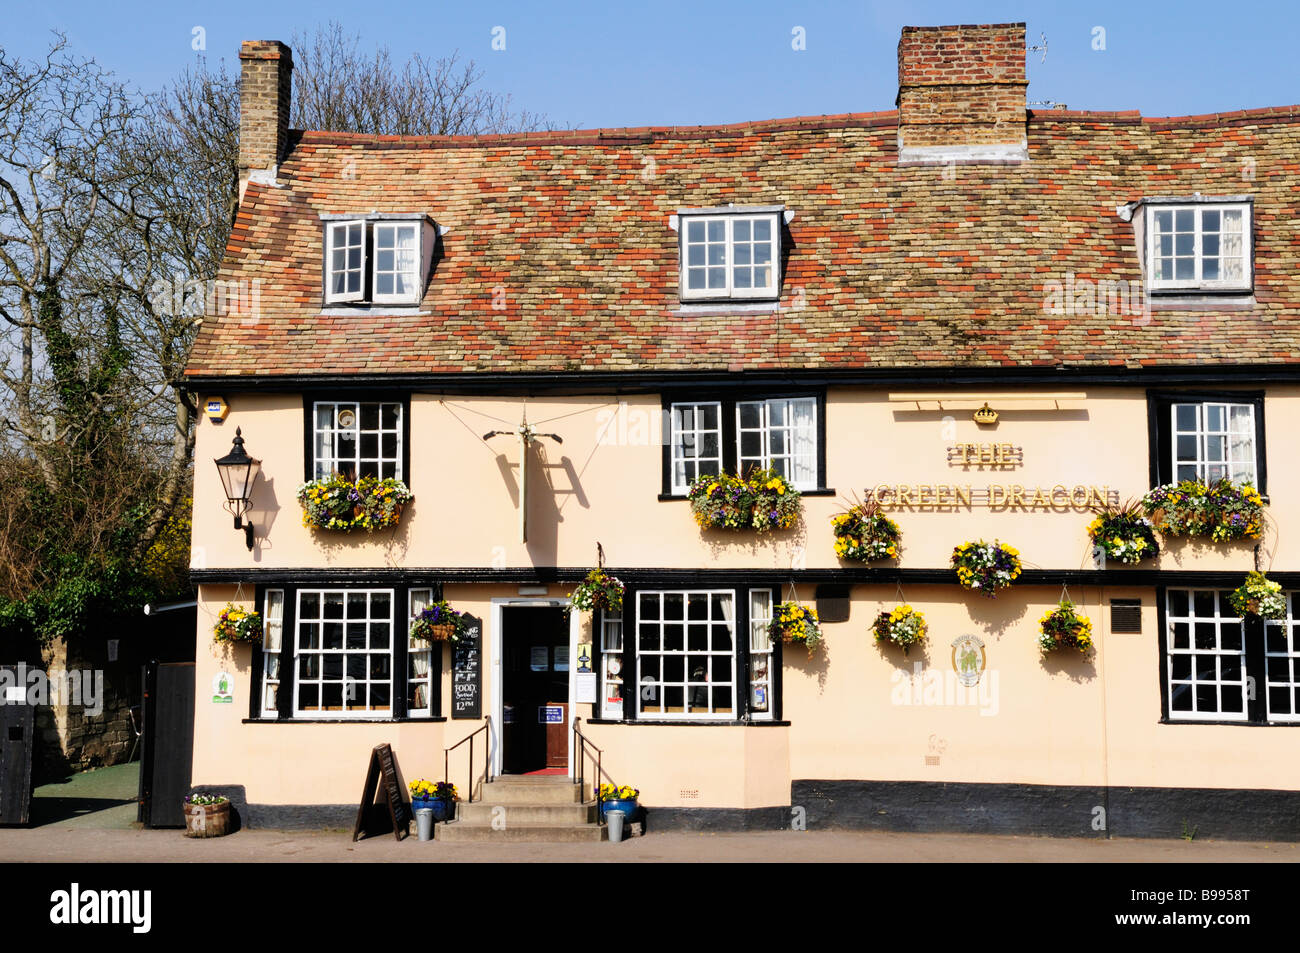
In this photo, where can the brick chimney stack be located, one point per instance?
(265, 83)
(961, 94)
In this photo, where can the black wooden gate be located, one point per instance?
(16, 742)
(168, 743)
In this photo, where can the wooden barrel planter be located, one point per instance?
(207, 820)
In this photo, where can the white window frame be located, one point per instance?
(417, 600)
(685, 653)
(299, 653)
(729, 219)
(411, 274)
(1190, 683)
(678, 456)
(1203, 435)
(611, 647)
(1197, 283)
(764, 460)
(322, 468)
(369, 226)
(332, 230)
(272, 645)
(761, 648)
(1288, 631)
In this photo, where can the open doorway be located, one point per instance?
(535, 689)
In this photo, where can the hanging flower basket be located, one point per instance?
(1258, 596)
(986, 567)
(1222, 511)
(901, 625)
(343, 505)
(763, 500)
(238, 625)
(598, 593)
(865, 533)
(437, 622)
(1124, 534)
(1063, 628)
(792, 622)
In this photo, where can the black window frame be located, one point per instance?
(289, 657)
(728, 400)
(309, 399)
(631, 669)
(1254, 674)
(1160, 430)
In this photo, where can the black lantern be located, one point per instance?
(238, 471)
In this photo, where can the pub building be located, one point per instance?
(984, 323)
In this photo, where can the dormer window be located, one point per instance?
(377, 259)
(730, 253)
(1196, 245)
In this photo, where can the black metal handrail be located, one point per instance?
(487, 759)
(580, 745)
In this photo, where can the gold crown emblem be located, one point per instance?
(986, 415)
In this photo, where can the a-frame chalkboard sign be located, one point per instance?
(382, 791)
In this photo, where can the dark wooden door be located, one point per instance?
(16, 741)
(535, 693)
(168, 743)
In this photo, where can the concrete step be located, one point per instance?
(515, 790)
(484, 813)
(459, 831)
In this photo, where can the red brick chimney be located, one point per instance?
(961, 94)
(266, 68)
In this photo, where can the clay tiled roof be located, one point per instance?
(559, 255)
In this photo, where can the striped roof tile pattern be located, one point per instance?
(559, 255)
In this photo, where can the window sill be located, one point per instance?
(1182, 299)
(820, 491)
(705, 308)
(681, 722)
(342, 721)
(1235, 724)
(365, 310)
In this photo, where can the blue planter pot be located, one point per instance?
(627, 806)
(444, 808)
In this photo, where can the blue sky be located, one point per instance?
(682, 62)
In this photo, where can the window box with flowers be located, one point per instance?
(1221, 511)
(370, 503)
(986, 567)
(762, 500)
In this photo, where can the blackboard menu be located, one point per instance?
(467, 671)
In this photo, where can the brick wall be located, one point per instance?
(962, 85)
(266, 68)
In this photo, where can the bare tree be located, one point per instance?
(115, 210)
(337, 87)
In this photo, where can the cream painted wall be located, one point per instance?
(602, 485)
(1063, 721)
(856, 711)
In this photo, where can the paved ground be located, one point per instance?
(104, 798)
(70, 843)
